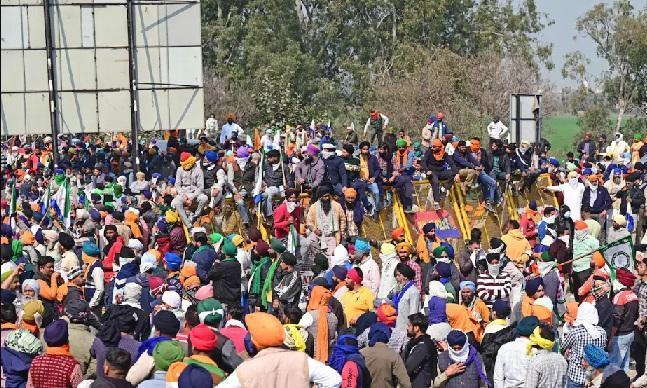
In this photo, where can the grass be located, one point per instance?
(560, 132)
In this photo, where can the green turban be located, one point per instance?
(210, 312)
(439, 251)
(229, 249)
(277, 245)
(401, 143)
(166, 353)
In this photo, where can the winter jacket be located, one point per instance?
(274, 178)
(281, 223)
(516, 246)
(335, 171)
(504, 162)
(421, 359)
(15, 367)
(191, 182)
(209, 173)
(429, 163)
(288, 289)
(225, 276)
(312, 172)
(490, 345)
(81, 340)
(601, 203)
(465, 160)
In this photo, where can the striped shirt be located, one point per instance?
(490, 289)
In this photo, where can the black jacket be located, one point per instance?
(429, 163)
(421, 360)
(225, 276)
(504, 162)
(491, 343)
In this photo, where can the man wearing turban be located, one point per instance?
(189, 182)
(274, 366)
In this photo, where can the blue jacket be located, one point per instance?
(464, 160)
(374, 170)
(15, 366)
(336, 171)
(602, 202)
(204, 261)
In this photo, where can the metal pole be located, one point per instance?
(51, 73)
(132, 62)
(517, 131)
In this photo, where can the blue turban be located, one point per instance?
(456, 338)
(468, 284)
(361, 245)
(596, 356)
(91, 249)
(428, 227)
(444, 270)
(194, 376)
(212, 156)
(340, 272)
(379, 332)
(171, 180)
(450, 249)
(533, 285)
(173, 261)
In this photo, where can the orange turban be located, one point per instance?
(397, 233)
(191, 282)
(130, 219)
(571, 312)
(404, 245)
(27, 238)
(386, 314)
(598, 259)
(186, 272)
(350, 193)
(265, 329)
(581, 225)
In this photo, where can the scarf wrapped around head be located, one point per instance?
(346, 349)
(187, 161)
(319, 299)
(23, 341)
(438, 155)
(587, 316)
(130, 219)
(537, 340)
(295, 337)
(117, 319)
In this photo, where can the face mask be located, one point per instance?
(567, 214)
(573, 181)
(594, 187)
(291, 206)
(493, 269)
(327, 154)
(550, 220)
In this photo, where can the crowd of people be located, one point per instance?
(241, 259)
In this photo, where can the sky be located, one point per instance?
(561, 33)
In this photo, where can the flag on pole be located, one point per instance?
(312, 128)
(258, 186)
(618, 254)
(293, 240)
(13, 206)
(61, 203)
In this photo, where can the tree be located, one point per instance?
(620, 36)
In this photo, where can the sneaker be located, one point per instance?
(489, 207)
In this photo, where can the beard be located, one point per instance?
(326, 205)
(410, 334)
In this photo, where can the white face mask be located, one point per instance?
(573, 181)
(567, 214)
(327, 154)
(594, 187)
(291, 206)
(550, 220)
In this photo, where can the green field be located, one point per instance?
(560, 131)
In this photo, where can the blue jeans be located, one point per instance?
(489, 186)
(571, 384)
(619, 354)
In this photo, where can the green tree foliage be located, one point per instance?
(301, 59)
(620, 35)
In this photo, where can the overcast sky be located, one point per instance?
(565, 14)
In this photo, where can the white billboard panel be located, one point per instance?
(90, 40)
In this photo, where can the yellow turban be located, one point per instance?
(31, 309)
